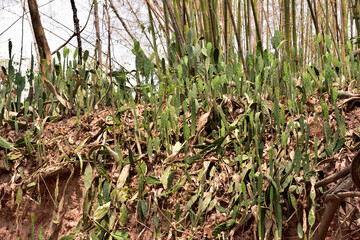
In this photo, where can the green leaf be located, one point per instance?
(19, 196)
(193, 158)
(287, 181)
(123, 215)
(218, 229)
(340, 143)
(76, 54)
(297, 161)
(112, 219)
(88, 176)
(13, 156)
(5, 144)
(276, 39)
(312, 217)
(165, 177)
(152, 180)
(221, 209)
(81, 145)
(101, 211)
(203, 51)
(31, 184)
(141, 186)
(205, 202)
(175, 151)
(123, 176)
(122, 109)
(186, 131)
(293, 201)
(66, 52)
(86, 55)
(193, 115)
(143, 208)
(20, 84)
(312, 190)
(230, 223)
(191, 201)
(300, 231)
(334, 94)
(71, 236)
(119, 235)
(170, 179)
(259, 64)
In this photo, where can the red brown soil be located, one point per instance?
(15, 225)
(16, 222)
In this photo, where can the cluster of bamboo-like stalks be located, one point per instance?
(247, 26)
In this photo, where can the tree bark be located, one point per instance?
(356, 10)
(43, 46)
(97, 29)
(77, 30)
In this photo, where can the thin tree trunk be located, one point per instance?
(226, 30)
(98, 56)
(32, 30)
(330, 30)
(268, 27)
(258, 33)
(41, 41)
(327, 16)
(294, 37)
(308, 29)
(343, 31)
(334, 10)
(175, 24)
(260, 6)
(121, 20)
(213, 22)
(151, 20)
(205, 20)
(356, 8)
(249, 33)
(351, 16)
(302, 29)
(314, 15)
(345, 13)
(286, 8)
(44, 50)
(239, 22)
(238, 41)
(314, 18)
(167, 29)
(246, 22)
(77, 30)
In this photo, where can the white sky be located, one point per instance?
(57, 19)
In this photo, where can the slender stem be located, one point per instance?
(238, 41)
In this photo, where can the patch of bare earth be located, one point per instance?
(15, 220)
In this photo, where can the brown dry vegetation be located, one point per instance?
(51, 174)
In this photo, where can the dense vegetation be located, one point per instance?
(216, 138)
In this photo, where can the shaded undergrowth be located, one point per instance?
(196, 150)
